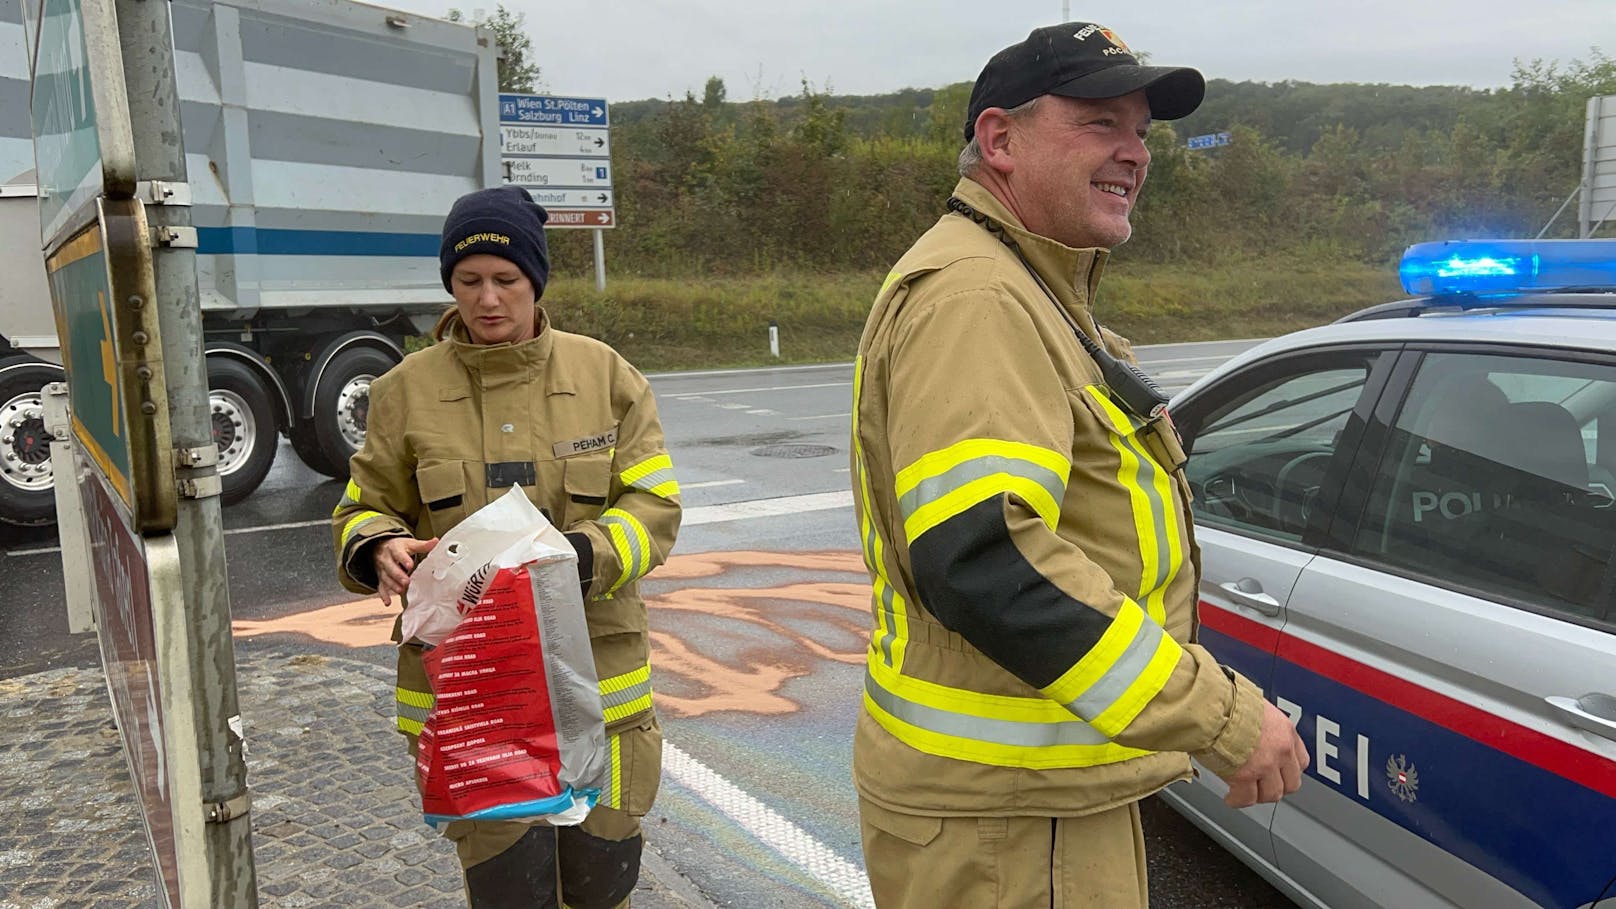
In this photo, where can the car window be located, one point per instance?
(1498, 477)
(1258, 457)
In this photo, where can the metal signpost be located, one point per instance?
(1598, 204)
(559, 148)
(107, 146)
(1210, 140)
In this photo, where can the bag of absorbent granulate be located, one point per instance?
(516, 730)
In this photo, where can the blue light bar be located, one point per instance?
(1507, 266)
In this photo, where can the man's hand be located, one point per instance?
(1274, 769)
(395, 560)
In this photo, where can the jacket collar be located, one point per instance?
(497, 364)
(1073, 274)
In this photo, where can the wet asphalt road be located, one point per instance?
(758, 626)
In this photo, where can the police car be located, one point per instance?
(1407, 521)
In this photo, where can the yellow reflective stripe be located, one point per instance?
(1004, 742)
(1101, 657)
(412, 708)
(1114, 681)
(631, 542)
(941, 484)
(627, 694)
(1004, 707)
(616, 683)
(350, 496)
(886, 605)
(646, 467)
(354, 522)
(1149, 490)
(653, 475)
(1147, 685)
(613, 796)
(891, 279)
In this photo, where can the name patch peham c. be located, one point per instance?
(576, 447)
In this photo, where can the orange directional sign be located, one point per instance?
(582, 217)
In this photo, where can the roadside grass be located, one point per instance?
(692, 323)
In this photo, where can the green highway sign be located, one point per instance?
(82, 290)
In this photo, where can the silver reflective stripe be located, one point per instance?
(998, 732)
(931, 489)
(653, 479)
(1124, 672)
(636, 554)
(410, 712)
(627, 695)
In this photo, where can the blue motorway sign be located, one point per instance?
(1210, 140)
(552, 109)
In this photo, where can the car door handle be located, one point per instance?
(1249, 592)
(1594, 712)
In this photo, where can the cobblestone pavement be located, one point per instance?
(335, 822)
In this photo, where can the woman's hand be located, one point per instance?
(395, 559)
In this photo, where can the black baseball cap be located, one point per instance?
(1080, 60)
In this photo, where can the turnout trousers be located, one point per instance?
(1096, 861)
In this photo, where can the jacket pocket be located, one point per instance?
(1141, 438)
(442, 485)
(915, 829)
(587, 481)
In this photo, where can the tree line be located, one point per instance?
(710, 186)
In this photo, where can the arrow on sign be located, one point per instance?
(603, 218)
(598, 112)
(602, 197)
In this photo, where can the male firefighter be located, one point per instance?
(1032, 672)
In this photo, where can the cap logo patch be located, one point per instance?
(1083, 33)
(483, 238)
(1118, 47)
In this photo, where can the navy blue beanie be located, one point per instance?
(504, 222)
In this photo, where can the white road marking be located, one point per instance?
(704, 514)
(823, 416)
(842, 877)
(766, 508)
(764, 412)
(743, 391)
(708, 484)
(742, 372)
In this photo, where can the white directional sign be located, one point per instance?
(558, 141)
(559, 148)
(587, 173)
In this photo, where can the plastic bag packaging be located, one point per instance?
(516, 731)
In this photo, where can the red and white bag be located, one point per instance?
(516, 730)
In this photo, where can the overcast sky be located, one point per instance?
(626, 50)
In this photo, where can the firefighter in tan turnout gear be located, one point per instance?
(503, 398)
(1032, 672)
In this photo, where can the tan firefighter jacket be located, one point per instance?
(1030, 548)
(455, 425)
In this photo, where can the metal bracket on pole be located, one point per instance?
(224, 812)
(163, 192)
(194, 459)
(191, 458)
(175, 237)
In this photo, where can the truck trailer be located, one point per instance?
(325, 141)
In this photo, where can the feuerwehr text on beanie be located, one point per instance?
(504, 222)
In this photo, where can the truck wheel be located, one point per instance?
(243, 427)
(27, 496)
(341, 410)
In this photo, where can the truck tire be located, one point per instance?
(341, 410)
(27, 495)
(243, 417)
